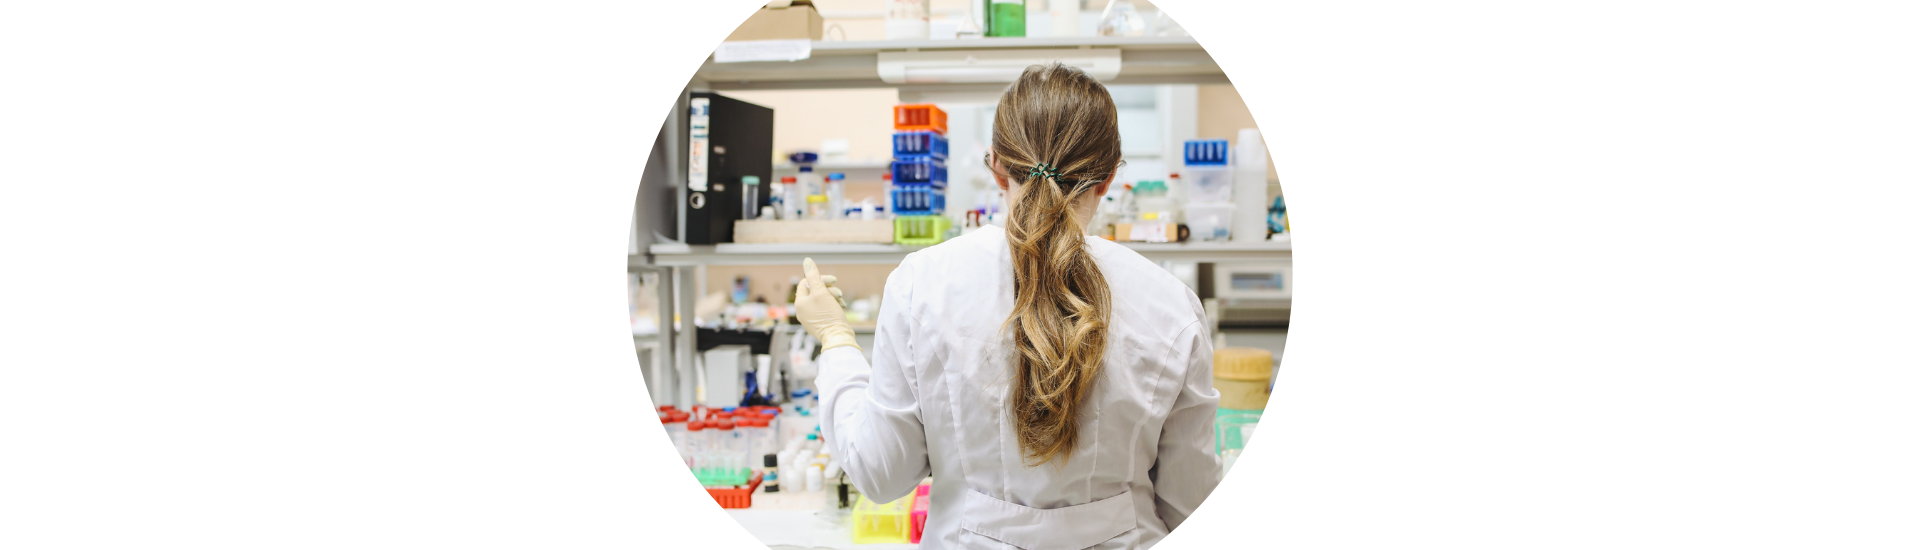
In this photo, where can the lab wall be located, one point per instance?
(1221, 115)
(804, 118)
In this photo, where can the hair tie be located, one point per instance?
(1043, 170)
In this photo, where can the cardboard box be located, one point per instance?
(799, 21)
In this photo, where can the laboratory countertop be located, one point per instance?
(796, 521)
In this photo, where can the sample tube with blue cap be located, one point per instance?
(837, 195)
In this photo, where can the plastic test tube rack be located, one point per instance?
(920, 230)
(921, 502)
(889, 523)
(919, 116)
(919, 143)
(1206, 152)
(736, 497)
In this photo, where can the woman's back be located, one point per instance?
(943, 335)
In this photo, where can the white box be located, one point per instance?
(726, 375)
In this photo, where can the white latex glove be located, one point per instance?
(817, 305)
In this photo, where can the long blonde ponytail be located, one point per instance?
(1056, 131)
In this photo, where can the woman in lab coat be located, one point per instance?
(1057, 387)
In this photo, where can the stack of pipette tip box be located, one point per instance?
(919, 192)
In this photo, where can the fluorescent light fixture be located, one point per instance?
(990, 65)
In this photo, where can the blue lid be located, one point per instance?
(728, 409)
(1206, 152)
(811, 437)
(802, 392)
(804, 157)
(837, 176)
(806, 168)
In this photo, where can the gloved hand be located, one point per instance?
(817, 305)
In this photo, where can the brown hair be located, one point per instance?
(1057, 132)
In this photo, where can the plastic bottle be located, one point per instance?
(1009, 18)
(1065, 17)
(771, 481)
(810, 182)
(817, 208)
(909, 19)
(814, 478)
(836, 195)
(788, 198)
(749, 197)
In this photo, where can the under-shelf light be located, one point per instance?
(989, 65)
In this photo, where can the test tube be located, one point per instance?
(723, 450)
(695, 445)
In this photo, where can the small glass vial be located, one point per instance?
(749, 197)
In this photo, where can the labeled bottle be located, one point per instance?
(771, 481)
(836, 195)
(749, 197)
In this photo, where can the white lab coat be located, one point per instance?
(934, 402)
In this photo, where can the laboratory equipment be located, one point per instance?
(727, 141)
(1209, 221)
(1009, 18)
(815, 478)
(771, 478)
(1250, 185)
(1230, 436)
(1277, 216)
(889, 523)
(726, 373)
(919, 143)
(749, 197)
(1206, 172)
(836, 195)
(1240, 281)
(922, 500)
(792, 199)
(736, 497)
(1154, 202)
(919, 116)
(1121, 19)
(676, 427)
(920, 230)
(974, 24)
(1065, 15)
(694, 453)
(1244, 378)
(816, 207)
(908, 19)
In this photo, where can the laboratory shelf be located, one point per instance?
(676, 254)
(855, 64)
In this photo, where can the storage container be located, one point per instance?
(1208, 183)
(1209, 221)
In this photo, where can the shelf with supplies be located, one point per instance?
(856, 64)
(676, 254)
